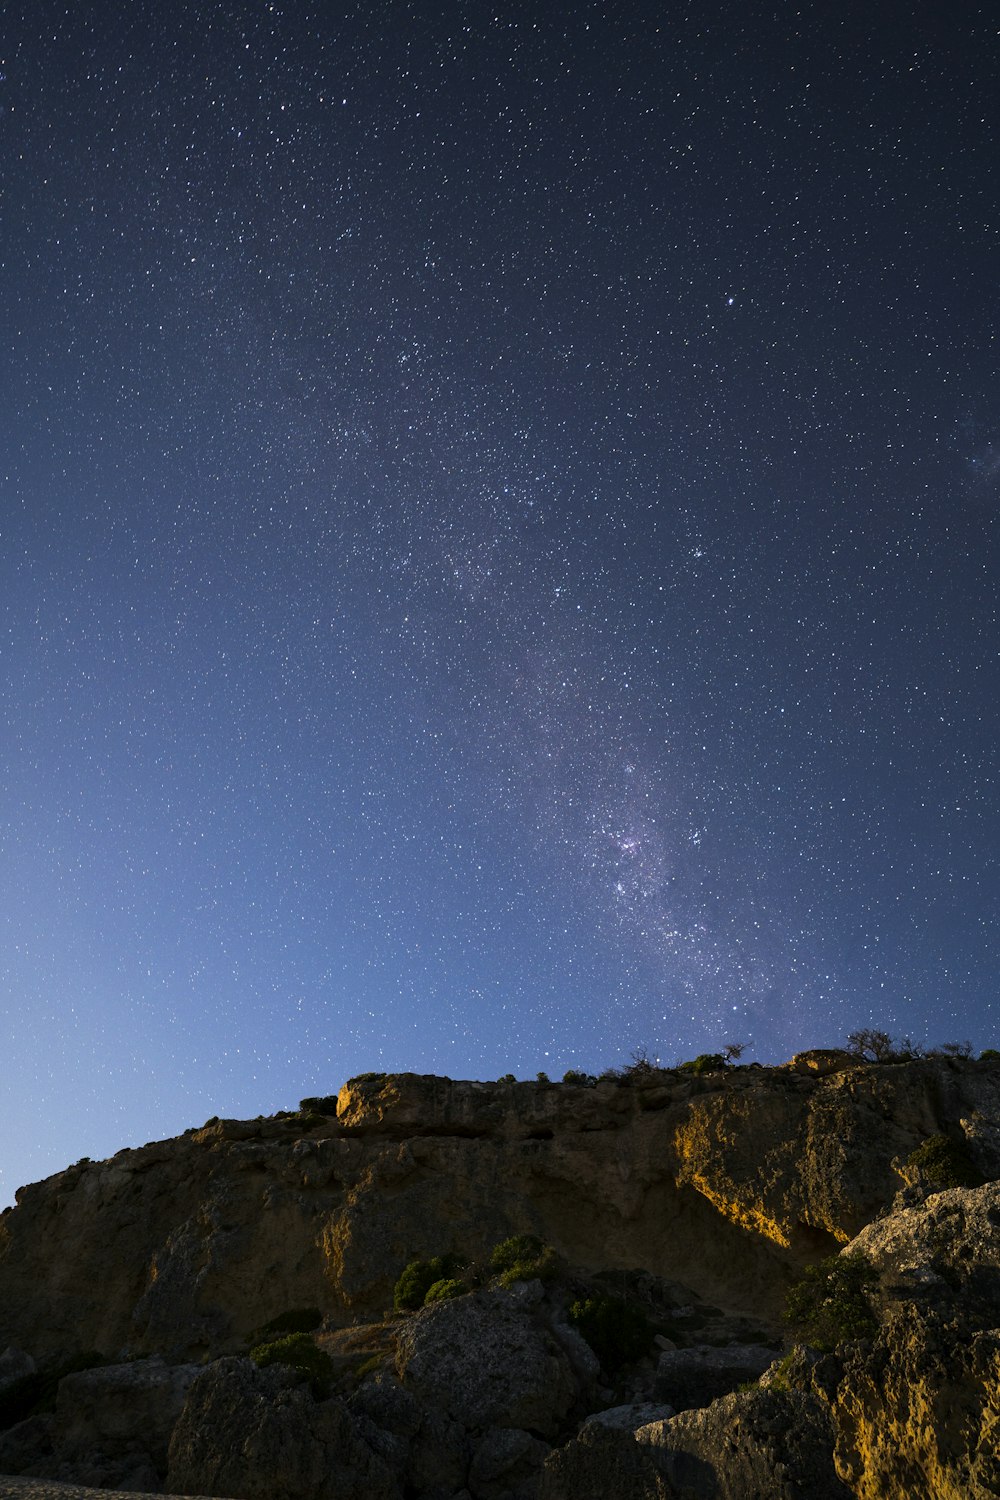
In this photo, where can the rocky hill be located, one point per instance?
(663, 1216)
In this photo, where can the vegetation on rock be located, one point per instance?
(444, 1290)
(705, 1062)
(831, 1303)
(418, 1277)
(300, 1352)
(946, 1163)
(523, 1257)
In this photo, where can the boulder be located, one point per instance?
(630, 1418)
(110, 1429)
(949, 1238)
(117, 1408)
(260, 1435)
(487, 1360)
(693, 1377)
(752, 1445)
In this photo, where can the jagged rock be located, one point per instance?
(696, 1376)
(438, 1461)
(260, 1435)
(982, 1134)
(757, 1445)
(916, 1412)
(486, 1361)
(943, 1250)
(630, 1418)
(753, 1445)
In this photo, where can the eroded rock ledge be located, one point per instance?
(698, 1197)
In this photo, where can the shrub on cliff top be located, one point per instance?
(299, 1351)
(831, 1303)
(946, 1163)
(617, 1332)
(705, 1062)
(324, 1104)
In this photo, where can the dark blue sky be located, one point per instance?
(498, 545)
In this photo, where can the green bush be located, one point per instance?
(523, 1257)
(946, 1163)
(618, 1332)
(444, 1290)
(506, 1078)
(519, 1247)
(573, 1075)
(831, 1303)
(299, 1351)
(296, 1320)
(705, 1062)
(990, 1054)
(417, 1279)
(325, 1104)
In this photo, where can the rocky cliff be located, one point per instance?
(700, 1196)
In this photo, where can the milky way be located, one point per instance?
(499, 551)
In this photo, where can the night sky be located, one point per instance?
(498, 544)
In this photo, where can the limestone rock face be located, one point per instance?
(918, 1412)
(669, 1190)
(727, 1182)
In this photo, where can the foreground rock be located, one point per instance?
(110, 1428)
(760, 1445)
(654, 1191)
(260, 1435)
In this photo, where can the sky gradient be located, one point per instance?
(498, 545)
